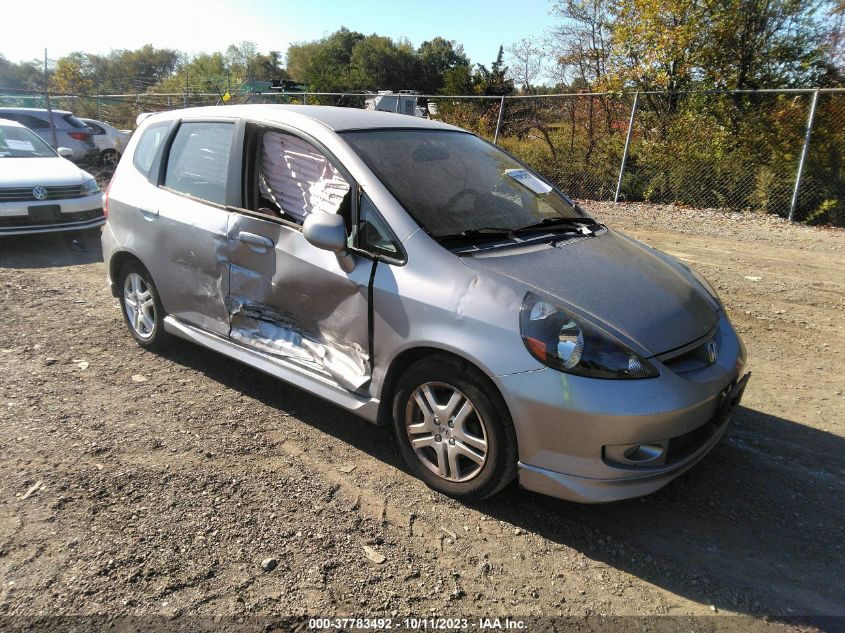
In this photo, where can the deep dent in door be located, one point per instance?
(321, 345)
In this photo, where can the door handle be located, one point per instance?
(255, 240)
(149, 214)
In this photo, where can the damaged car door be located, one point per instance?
(185, 222)
(288, 298)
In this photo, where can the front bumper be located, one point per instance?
(568, 426)
(74, 214)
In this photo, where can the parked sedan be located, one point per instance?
(423, 278)
(40, 191)
(109, 140)
(70, 131)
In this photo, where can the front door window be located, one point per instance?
(295, 179)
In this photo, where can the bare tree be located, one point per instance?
(581, 42)
(527, 62)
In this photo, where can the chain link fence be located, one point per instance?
(716, 150)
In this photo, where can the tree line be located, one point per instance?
(689, 146)
(596, 45)
(345, 61)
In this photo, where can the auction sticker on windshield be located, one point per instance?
(20, 145)
(528, 180)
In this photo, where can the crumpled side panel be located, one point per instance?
(276, 333)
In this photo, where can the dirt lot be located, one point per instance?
(167, 479)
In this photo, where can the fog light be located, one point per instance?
(643, 452)
(649, 454)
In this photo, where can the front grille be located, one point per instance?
(24, 194)
(63, 218)
(693, 359)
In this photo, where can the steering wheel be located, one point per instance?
(469, 191)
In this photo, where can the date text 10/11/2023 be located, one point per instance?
(417, 624)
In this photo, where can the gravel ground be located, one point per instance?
(185, 485)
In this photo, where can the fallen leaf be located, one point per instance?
(373, 555)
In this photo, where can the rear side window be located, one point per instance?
(73, 121)
(96, 129)
(147, 148)
(199, 160)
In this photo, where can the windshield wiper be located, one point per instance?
(470, 234)
(587, 226)
(584, 226)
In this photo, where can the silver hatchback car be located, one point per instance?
(420, 277)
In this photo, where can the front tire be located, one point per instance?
(454, 429)
(141, 307)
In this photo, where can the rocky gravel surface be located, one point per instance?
(183, 485)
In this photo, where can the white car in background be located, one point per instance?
(109, 140)
(41, 191)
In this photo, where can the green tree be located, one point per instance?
(437, 58)
(270, 66)
(754, 44)
(495, 81)
(657, 44)
(20, 76)
(73, 75)
(324, 65)
(377, 63)
(458, 80)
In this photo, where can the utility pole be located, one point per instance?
(49, 109)
(185, 99)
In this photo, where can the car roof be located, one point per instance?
(332, 117)
(10, 123)
(39, 110)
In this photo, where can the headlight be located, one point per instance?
(559, 340)
(89, 187)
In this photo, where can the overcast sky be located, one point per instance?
(205, 26)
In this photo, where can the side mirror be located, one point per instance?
(65, 152)
(327, 231)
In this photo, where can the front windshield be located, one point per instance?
(454, 182)
(20, 142)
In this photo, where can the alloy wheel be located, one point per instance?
(446, 431)
(139, 305)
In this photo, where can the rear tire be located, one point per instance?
(141, 307)
(454, 429)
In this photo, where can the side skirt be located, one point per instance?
(298, 376)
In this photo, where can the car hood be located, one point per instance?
(32, 172)
(619, 283)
